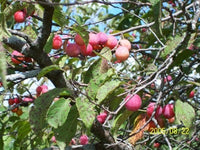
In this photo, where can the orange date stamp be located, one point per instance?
(170, 131)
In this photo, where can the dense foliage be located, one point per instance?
(92, 74)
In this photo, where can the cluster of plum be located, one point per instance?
(97, 41)
(83, 140)
(12, 102)
(167, 111)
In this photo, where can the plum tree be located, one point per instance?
(68, 69)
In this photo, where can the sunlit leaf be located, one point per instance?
(58, 112)
(86, 111)
(39, 110)
(66, 132)
(46, 70)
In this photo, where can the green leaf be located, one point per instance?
(86, 111)
(59, 16)
(48, 45)
(93, 71)
(58, 112)
(97, 81)
(197, 41)
(106, 89)
(22, 127)
(38, 112)
(23, 130)
(106, 53)
(183, 55)
(184, 112)
(150, 69)
(13, 7)
(157, 16)
(3, 66)
(46, 70)
(171, 45)
(30, 32)
(194, 83)
(113, 100)
(120, 119)
(62, 61)
(66, 132)
(82, 32)
(3, 26)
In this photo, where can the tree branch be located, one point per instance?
(22, 76)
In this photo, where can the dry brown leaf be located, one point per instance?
(139, 122)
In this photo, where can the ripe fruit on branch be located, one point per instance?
(102, 117)
(168, 111)
(11, 101)
(28, 59)
(15, 109)
(86, 51)
(78, 39)
(152, 125)
(122, 53)
(17, 57)
(72, 142)
(53, 139)
(150, 109)
(191, 95)
(73, 50)
(41, 89)
(111, 42)
(134, 103)
(102, 38)
(144, 29)
(156, 145)
(28, 99)
(168, 79)
(19, 16)
(83, 139)
(93, 39)
(125, 43)
(19, 112)
(57, 42)
(171, 120)
(16, 100)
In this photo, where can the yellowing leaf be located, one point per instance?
(139, 122)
